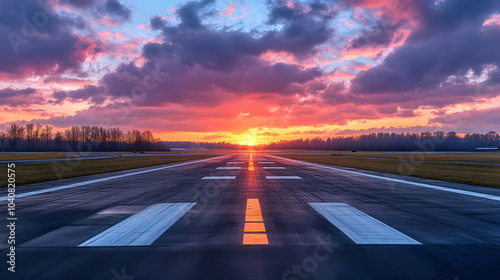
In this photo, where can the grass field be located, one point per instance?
(56, 155)
(473, 174)
(28, 156)
(420, 156)
(41, 172)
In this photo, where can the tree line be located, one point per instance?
(37, 138)
(425, 141)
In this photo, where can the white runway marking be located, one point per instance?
(218, 177)
(274, 167)
(266, 162)
(360, 227)
(4, 198)
(229, 167)
(282, 177)
(469, 193)
(235, 162)
(143, 228)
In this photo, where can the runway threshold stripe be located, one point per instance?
(219, 178)
(254, 231)
(360, 227)
(469, 193)
(229, 167)
(143, 228)
(266, 162)
(282, 177)
(274, 167)
(21, 195)
(235, 162)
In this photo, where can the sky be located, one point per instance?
(252, 72)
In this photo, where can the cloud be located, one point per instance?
(189, 13)
(294, 69)
(91, 93)
(38, 41)
(78, 3)
(171, 81)
(445, 43)
(447, 94)
(193, 42)
(198, 65)
(470, 121)
(116, 11)
(20, 97)
(65, 80)
(378, 35)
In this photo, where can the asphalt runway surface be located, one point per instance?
(253, 217)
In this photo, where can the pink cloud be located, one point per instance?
(493, 20)
(229, 10)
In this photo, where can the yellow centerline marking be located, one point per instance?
(255, 239)
(254, 227)
(254, 231)
(250, 163)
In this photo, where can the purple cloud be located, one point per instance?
(88, 92)
(20, 97)
(450, 40)
(36, 40)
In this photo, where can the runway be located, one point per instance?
(254, 216)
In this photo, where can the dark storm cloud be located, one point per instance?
(449, 40)
(36, 41)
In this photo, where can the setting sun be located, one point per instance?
(248, 140)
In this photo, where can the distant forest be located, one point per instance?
(37, 138)
(425, 141)
(34, 137)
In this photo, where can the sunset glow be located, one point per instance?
(250, 73)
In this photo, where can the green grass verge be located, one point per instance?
(472, 174)
(422, 156)
(29, 156)
(50, 171)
